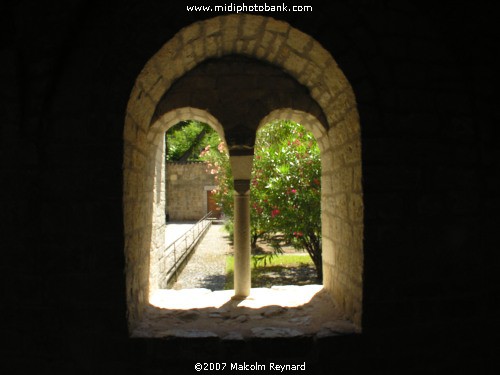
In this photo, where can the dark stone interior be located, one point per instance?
(239, 92)
(425, 78)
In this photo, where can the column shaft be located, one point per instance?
(242, 244)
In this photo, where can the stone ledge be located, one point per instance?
(268, 313)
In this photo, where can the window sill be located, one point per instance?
(277, 312)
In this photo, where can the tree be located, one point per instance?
(186, 139)
(285, 192)
(286, 187)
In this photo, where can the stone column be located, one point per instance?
(242, 274)
(241, 166)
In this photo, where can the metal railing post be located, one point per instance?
(178, 259)
(175, 262)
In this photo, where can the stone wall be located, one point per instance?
(245, 93)
(187, 185)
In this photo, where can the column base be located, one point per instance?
(238, 298)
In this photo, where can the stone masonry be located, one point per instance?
(329, 112)
(187, 187)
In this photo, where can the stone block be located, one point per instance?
(229, 33)
(188, 57)
(351, 152)
(299, 41)
(275, 47)
(345, 127)
(355, 208)
(342, 180)
(319, 56)
(357, 179)
(191, 33)
(148, 77)
(211, 27)
(339, 206)
(141, 109)
(213, 46)
(293, 63)
(335, 80)
(265, 43)
(252, 26)
(278, 27)
(167, 53)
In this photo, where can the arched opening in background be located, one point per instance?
(285, 206)
(196, 244)
(189, 183)
(158, 218)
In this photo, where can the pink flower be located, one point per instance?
(275, 212)
(294, 191)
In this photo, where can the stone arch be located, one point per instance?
(248, 87)
(302, 57)
(169, 119)
(310, 122)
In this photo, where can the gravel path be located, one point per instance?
(207, 266)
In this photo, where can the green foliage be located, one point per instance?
(187, 139)
(285, 193)
(286, 188)
(229, 228)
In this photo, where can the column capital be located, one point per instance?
(241, 166)
(242, 186)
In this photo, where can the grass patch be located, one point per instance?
(283, 269)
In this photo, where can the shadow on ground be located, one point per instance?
(266, 277)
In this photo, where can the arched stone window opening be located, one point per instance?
(190, 179)
(285, 207)
(158, 149)
(298, 55)
(310, 124)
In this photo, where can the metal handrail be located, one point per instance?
(177, 251)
